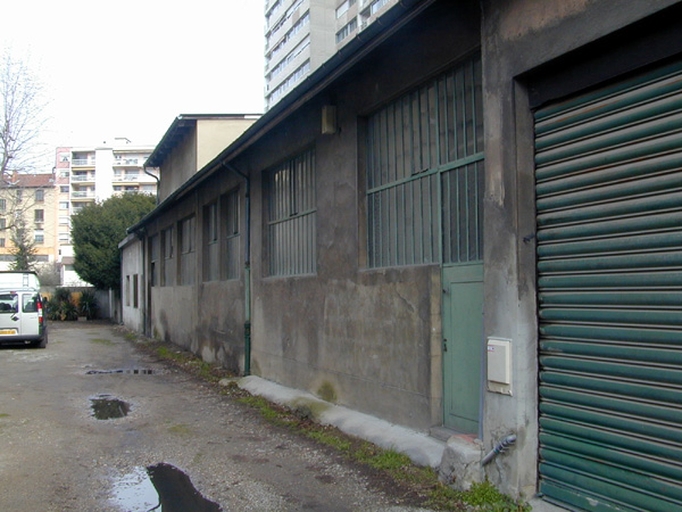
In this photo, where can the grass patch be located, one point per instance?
(270, 412)
(180, 429)
(329, 439)
(101, 341)
(4, 415)
(167, 354)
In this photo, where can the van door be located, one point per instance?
(29, 321)
(9, 318)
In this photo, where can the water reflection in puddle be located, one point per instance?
(161, 487)
(106, 407)
(129, 371)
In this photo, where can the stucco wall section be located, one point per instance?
(179, 166)
(214, 135)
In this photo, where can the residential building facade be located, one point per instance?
(96, 173)
(467, 221)
(300, 35)
(31, 199)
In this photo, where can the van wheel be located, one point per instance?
(42, 343)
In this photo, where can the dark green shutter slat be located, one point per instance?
(609, 261)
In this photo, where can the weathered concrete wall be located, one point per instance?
(206, 317)
(180, 165)
(518, 36)
(366, 338)
(132, 264)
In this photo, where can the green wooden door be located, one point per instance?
(462, 342)
(609, 215)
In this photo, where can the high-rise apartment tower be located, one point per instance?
(300, 35)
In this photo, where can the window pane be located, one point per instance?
(291, 216)
(412, 142)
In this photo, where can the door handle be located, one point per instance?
(445, 345)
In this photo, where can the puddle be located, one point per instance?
(133, 371)
(161, 487)
(106, 407)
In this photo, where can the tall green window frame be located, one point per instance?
(425, 173)
(211, 225)
(291, 216)
(187, 253)
(230, 205)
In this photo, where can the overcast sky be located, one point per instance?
(128, 68)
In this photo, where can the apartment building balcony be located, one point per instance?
(124, 192)
(82, 178)
(129, 162)
(83, 162)
(82, 195)
(122, 178)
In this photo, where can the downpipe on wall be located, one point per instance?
(247, 267)
(500, 447)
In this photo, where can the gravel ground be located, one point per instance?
(57, 456)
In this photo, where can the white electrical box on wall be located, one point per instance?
(499, 365)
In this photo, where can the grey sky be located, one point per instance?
(127, 68)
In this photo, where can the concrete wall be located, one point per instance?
(132, 264)
(180, 165)
(517, 37)
(208, 316)
(370, 337)
(366, 338)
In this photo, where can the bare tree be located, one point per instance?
(23, 117)
(21, 127)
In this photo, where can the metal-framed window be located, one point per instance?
(230, 213)
(425, 173)
(136, 293)
(211, 243)
(154, 260)
(187, 245)
(291, 216)
(168, 253)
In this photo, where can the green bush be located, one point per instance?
(87, 304)
(61, 306)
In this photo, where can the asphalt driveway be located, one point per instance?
(91, 424)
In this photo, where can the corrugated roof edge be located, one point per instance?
(387, 24)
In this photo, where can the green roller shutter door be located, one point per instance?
(609, 216)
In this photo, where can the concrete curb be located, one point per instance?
(419, 447)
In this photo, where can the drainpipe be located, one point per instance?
(500, 447)
(158, 182)
(247, 268)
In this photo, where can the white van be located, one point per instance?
(22, 316)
